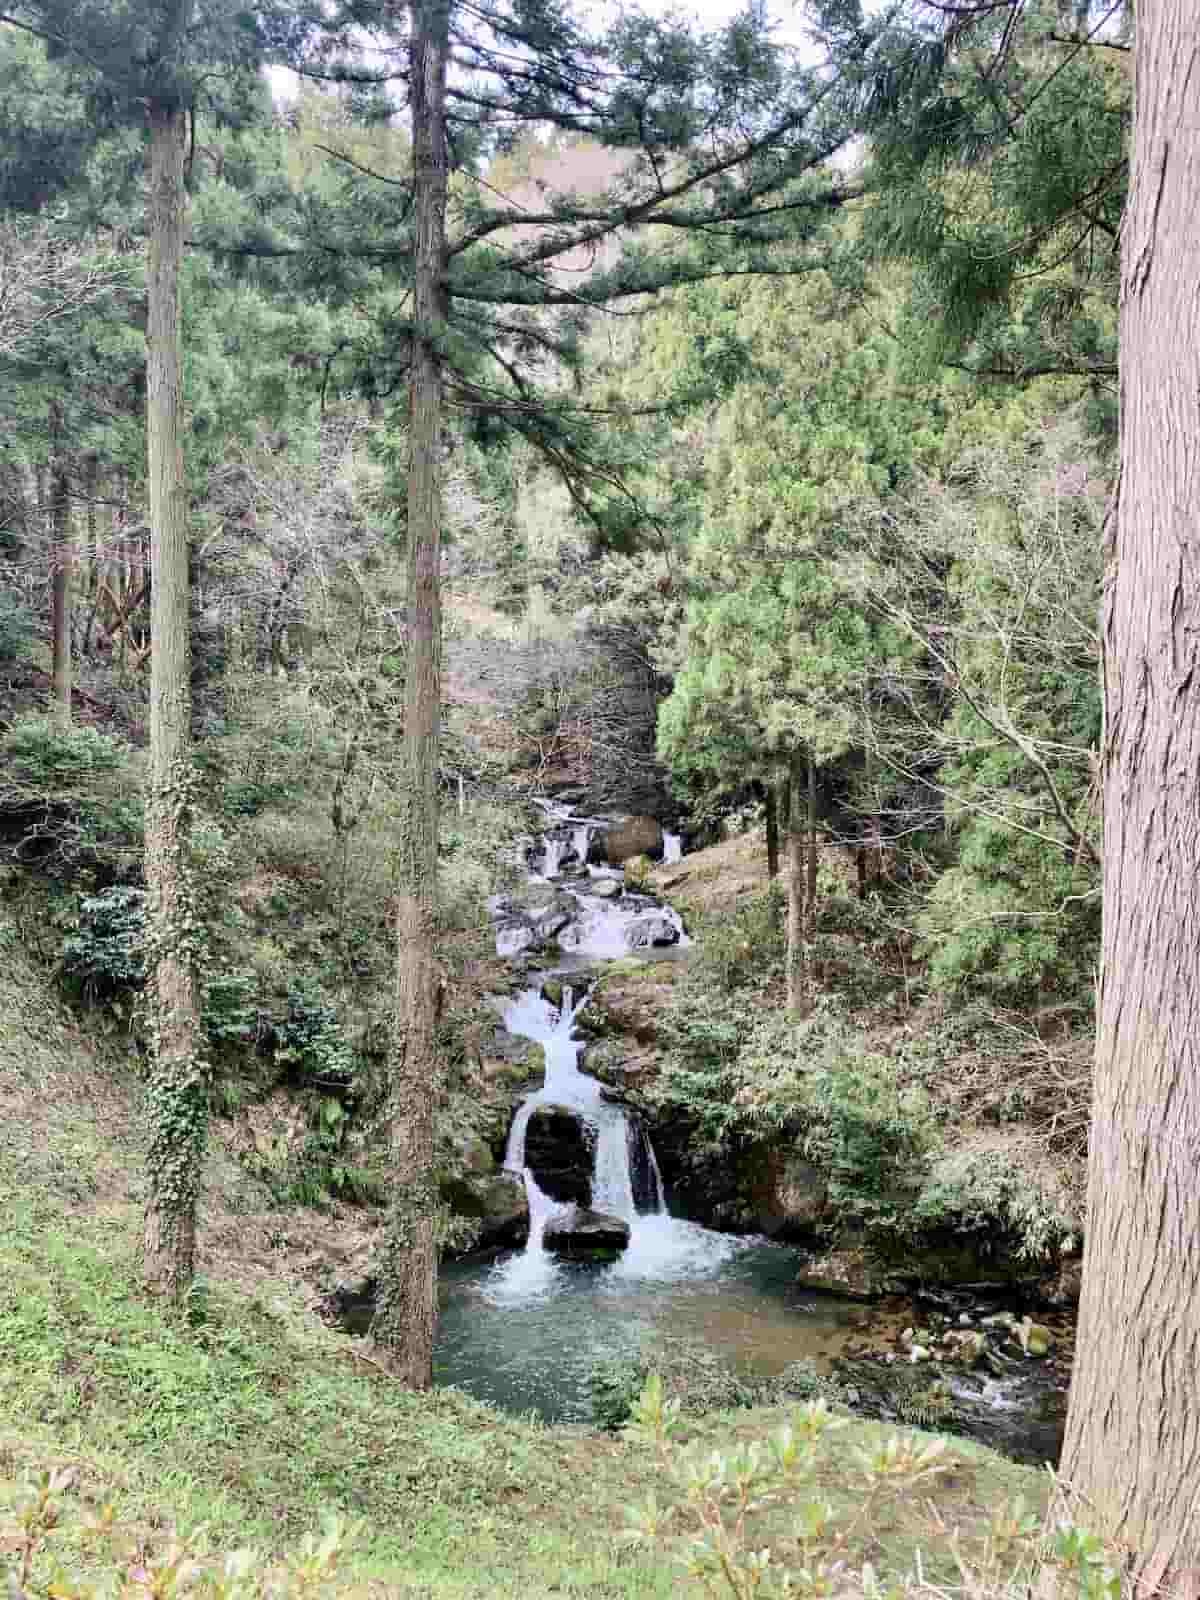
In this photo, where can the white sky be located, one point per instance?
(784, 14)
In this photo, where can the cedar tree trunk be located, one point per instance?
(62, 562)
(1133, 1429)
(795, 960)
(772, 818)
(177, 1090)
(406, 1310)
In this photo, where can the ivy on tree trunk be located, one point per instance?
(178, 1089)
(406, 1312)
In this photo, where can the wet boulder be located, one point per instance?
(502, 1209)
(580, 1232)
(560, 1152)
(514, 936)
(651, 932)
(634, 836)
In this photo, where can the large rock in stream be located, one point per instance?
(635, 836)
(580, 1232)
(560, 1151)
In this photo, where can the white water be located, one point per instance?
(660, 1247)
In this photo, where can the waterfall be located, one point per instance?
(625, 1181)
(622, 1145)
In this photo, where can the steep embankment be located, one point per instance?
(250, 1416)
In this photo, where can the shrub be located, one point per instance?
(987, 1195)
(697, 1379)
(70, 797)
(33, 1534)
(742, 948)
(231, 1012)
(310, 1040)
(17, 629)
(42, 754)
(106, 955)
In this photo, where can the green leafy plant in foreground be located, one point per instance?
(751, 1521)
(133, 1569)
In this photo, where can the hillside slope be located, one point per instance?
(253, 1418)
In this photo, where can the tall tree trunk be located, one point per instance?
(1133, 1428)
(62, 562)
(772, 818)
(810, 897)
(178, 1087)
(406, 1311)
(795, 960)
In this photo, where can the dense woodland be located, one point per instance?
(405, 414)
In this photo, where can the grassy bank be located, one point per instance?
(248, 1416)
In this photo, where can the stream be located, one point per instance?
(606, 1267)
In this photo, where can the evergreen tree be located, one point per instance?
(1134, 1412)
(723, 147)
(143, 66)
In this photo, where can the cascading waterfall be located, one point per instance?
(616, 1137)
(625, 1179)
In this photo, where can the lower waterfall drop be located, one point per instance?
(625, 1180)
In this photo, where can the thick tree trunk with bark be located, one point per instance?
(796, 955)
(1133, 1431)
(406, 1311)
(178, 1090)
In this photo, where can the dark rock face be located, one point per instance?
(646, 1196)
(560, 1151)
(580, 1232)
(789, 1195)
(636, 836)
(352, 1303)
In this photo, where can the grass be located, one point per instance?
(250, 1417)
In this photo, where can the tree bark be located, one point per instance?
(62, 562)
(772, 818)
(178, 1089)
(810, 897)
(406, 1311)
(1133, 1429)
(795, 959)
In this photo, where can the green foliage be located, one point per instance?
(715, 1494)
(106, 954)
(231, 1011)
(309, 1040)
(45, 755)
(39, 1524)
(741, 948)
(71, 798)
(1015, 918)
(698, 1381)
(999, 1203)
(742, 1077)
(17, 627)
(851, 1112)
